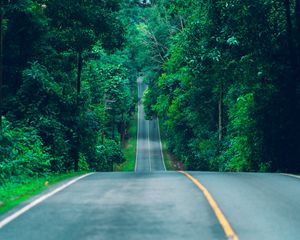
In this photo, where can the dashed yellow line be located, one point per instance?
(219, 214)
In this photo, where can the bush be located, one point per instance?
(22, 153)
(107, 154)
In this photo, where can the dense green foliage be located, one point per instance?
(129, 148)
(22, 153)
(223, 78)
(68, 86)
(224, 81)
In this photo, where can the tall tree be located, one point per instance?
(80, 24)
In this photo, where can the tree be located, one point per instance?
(79, 25)
(230, 73)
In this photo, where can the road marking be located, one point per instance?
(149, 159)
(218, 212)
(137, 139)
(138, 129)
(290, 175)
(161, 151)
(39, 200)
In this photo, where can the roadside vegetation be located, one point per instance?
(67, 91)
(223, 77)
(171, 162)
(129, 148)
(11, 194)
(224, 80)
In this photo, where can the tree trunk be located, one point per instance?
(297, 15)
(1, 67)
(102, 136)
(215, 13)
(76, 153)
(292, 53)
(122, 130)
(221, 111)
(113, 127)
(79, 71)
(77, 142)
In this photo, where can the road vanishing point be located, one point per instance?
(152, 203)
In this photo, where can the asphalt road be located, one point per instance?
(120, 206)
(258, 205)
(151, 203)
(149, 153)
(162, 205)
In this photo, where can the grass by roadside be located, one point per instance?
(172, 164)
(167, 157)
(11, 194)
(129, 148)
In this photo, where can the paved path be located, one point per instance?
(149, 153)
(120, 206)
(162, 205)
(258, 205)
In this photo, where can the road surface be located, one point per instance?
(152, 203)
(149, 153)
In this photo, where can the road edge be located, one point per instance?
(38, 200)
(137, 131)
(161, 147)
(290, 175)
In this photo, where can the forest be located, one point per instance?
(223, 78)
(67, 86)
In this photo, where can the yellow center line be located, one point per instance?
(219, 214)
